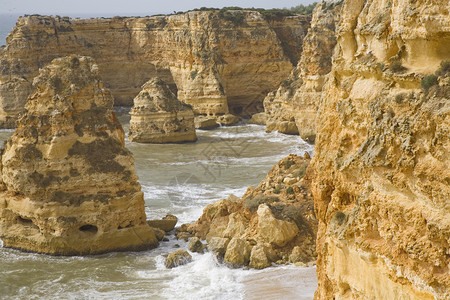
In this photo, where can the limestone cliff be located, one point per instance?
(157, 116)
(381, 165)
(272, 223)
(68, 184)
(292, 108)
(202, 55)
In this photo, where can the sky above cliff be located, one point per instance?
(135, 7)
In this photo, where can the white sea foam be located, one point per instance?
(204, 278)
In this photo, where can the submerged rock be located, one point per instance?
(68, 184)
(205, 123)
(177, 258)
(158, 116)
(167, 223)
(228, 119)
(259, 119)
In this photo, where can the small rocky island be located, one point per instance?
(68, 184)
(158, 116)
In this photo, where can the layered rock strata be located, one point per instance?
(292, 108)
(203, 56)
(68, 184)
(272, 223)
(382, 155)
(157, 116)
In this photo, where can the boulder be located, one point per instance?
(272, 230)
(258, 258)
(218, 246)
(159, 233)
(167, 223)
(177, 258)
(196, 245)
(238, 253)
(205, 123)
(228, 119)
(259, 119)
(157, 116)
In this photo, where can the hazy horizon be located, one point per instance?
(132, 7)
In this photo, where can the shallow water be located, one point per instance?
(180, 179)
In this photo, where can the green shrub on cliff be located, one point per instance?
(428, 81)
(268, 14)
(290, 190)
(304, 10)
(396, 67)
(444, 68)
(235, 17)
(253, 203)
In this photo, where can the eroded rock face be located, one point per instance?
(69, 186)
(201, 55)
(381, 183)
(158, 116)
(267, 223)
(292, 108)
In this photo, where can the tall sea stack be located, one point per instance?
(158, 116)
(68, 184)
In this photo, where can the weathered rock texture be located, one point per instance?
(381, 164)
(293, 107)
(202, 55)
(272, 223)
(157, 116)
(68, 184)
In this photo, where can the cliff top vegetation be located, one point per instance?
(267, 13)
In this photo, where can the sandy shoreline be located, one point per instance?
(281, 283)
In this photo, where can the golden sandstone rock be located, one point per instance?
(177, 258)
(381, 163)
(157, 116)
(68, 184)
(214, 65)
(267, 223)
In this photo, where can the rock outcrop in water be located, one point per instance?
(272, 223)
(381, 164)
(68, 184)
(215, 64)
(292, 109)
(157, 116)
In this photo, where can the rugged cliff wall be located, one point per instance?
(292, 108)
(68, 185)
(382, 155)
(206, 56)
